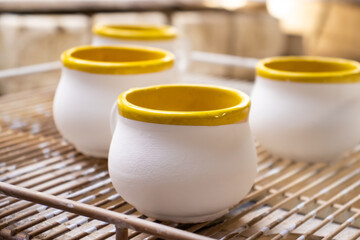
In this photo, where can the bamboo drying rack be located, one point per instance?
(50, 191)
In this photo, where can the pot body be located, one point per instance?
(168, 44)
(182, 173)
(83, 102)
(306, 121)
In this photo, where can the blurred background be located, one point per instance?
(35, 32)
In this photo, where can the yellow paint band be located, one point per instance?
(309, 69)
(197, 105)
(117, 59)
(136, 32)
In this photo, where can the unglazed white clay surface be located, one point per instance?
(182, 173)
(306, 121)
(83, 101)
(169, 45)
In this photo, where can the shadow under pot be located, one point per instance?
(91, 80)
(182, 153)
(307, 108)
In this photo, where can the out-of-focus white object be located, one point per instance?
(299, 16)
(92, 78)
(227, 4)
(307, 108)
(159, 36)
(182, 153)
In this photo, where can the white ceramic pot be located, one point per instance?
(307, 108)
(158, 36)
(182, 153)
(91, 80)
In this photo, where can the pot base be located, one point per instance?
(96, 154)
(195, 219)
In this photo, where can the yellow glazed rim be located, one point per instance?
(172, 96)
(117, 59)
(309, 69)
(136, 32)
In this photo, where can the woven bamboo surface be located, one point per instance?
(290, 200)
